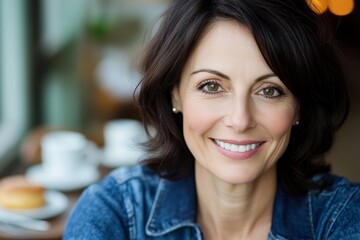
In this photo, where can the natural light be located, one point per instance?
(13, 95)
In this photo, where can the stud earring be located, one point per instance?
(297, 123)
(174, 110)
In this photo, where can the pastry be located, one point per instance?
(18, 193)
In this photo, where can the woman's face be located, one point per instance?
(237, 115)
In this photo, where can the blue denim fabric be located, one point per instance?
(134, 203)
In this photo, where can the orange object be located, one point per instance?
(341, 7)
(318, 6)
(17, 192)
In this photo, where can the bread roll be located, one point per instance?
(18, 193)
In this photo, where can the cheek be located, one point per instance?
(198, 117)
(195, 117)
(279, 122)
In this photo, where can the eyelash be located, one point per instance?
(277, 88)
(207, 83)
(274, 87)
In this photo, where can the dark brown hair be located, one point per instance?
(294, 44)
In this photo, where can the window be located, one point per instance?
(42, 54)
(13, 77)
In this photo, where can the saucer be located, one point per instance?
(56, 203)
(85, 176)
(121, 156)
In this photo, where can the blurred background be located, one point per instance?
(68, 65)
(73, 64)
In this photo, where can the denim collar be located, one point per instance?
(292, 217)
(175, 207)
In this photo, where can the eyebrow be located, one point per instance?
(260, 78)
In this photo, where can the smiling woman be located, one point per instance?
(237, 116)
(245, 97)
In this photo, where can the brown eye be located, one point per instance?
(210, 87)
(271, 92)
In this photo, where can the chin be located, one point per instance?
(236, 177)
(242, 176)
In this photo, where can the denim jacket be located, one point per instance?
(134, 203)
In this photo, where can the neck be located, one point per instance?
(241, 211)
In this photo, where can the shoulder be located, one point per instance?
(336, 209)
(106, 209)
(138, 173)
(338, 190)
(330, 213)
(122, 183)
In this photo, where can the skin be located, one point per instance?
(228, 92)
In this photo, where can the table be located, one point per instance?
(57, 223)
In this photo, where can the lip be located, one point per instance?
(238, 155)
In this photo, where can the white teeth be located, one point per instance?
(234, 148)
(237, 148)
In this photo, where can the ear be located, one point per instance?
(175, 99)
(297, 115)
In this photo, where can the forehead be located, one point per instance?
(227, 46)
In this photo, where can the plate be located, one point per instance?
(85, 176)
(56, 203)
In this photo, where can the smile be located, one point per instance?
(237, 148)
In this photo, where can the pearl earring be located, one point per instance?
(174, 110)
(297, 123)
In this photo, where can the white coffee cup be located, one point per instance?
(123, 138)
(63, 153)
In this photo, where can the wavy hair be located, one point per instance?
(296, 45)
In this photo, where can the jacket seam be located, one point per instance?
(338, 211)
(276, 237)
(129, 211)
(311, 215)
(154, 208)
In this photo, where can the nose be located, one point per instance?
(240, 115)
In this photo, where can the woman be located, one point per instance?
(246, 96)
